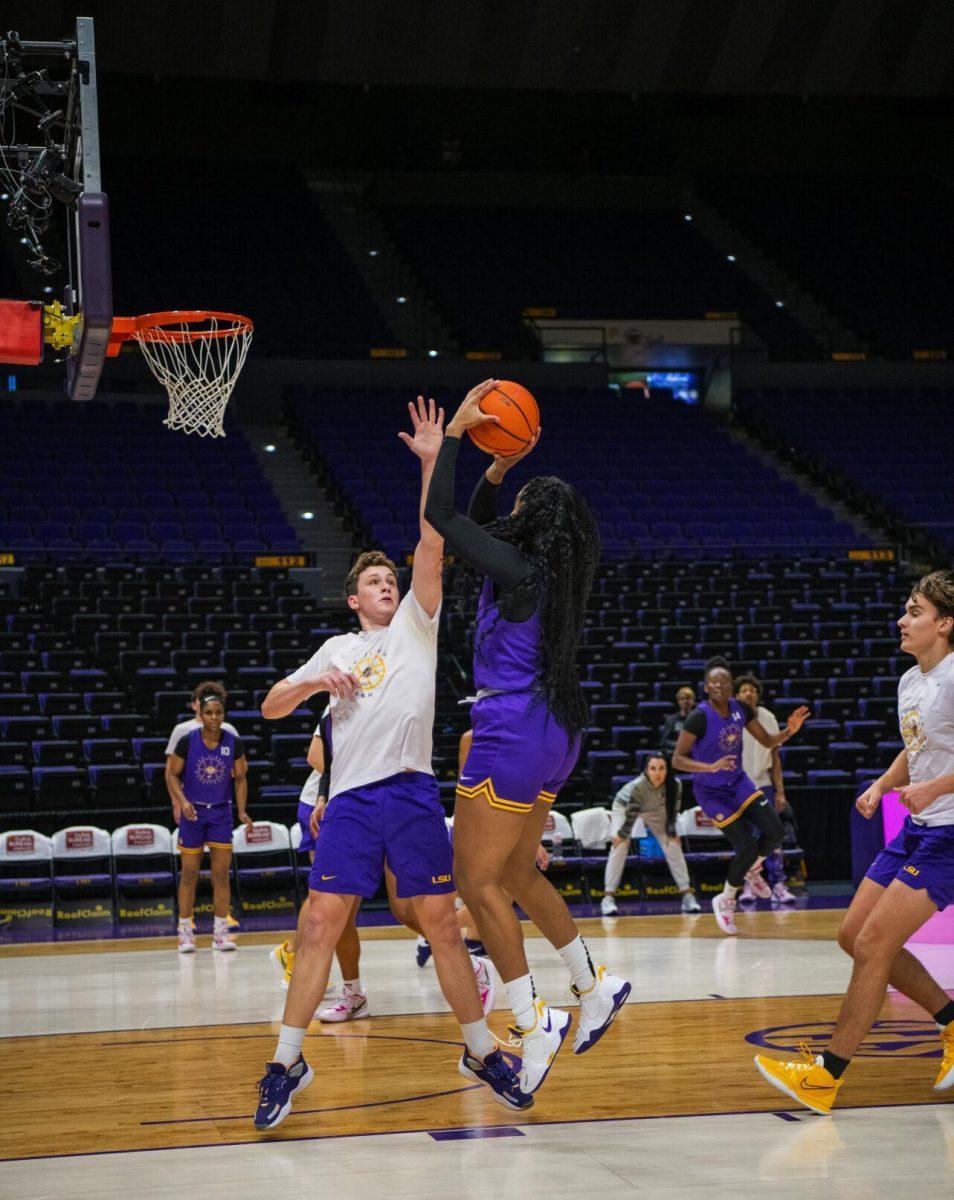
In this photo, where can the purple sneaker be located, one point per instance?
(275, 1091)
(498, 1075)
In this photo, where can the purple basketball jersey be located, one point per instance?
(506, 653)
(723, 736)
(207, 776)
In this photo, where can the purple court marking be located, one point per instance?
(715, 996)
(460, 1135)
(312, 1137)
(786, 1116)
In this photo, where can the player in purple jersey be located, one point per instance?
(913, 877)
(384, 808)
(537, 565)
(710, 749)
(207, 766)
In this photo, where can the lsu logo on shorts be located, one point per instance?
(440, 879)
(911, 870)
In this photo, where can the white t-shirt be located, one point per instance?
(389, 726)
(185, 727)
(926, 717)
(756, 758)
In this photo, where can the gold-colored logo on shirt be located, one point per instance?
(370, 672)
(730, 737)
(912, 730)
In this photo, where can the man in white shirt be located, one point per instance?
(913, 877)
(763, 765)
(384, 803)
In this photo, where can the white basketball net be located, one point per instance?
(197, 363)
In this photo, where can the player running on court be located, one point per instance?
(538, 566)
(710, 749)
(384, 803)
(913, 877)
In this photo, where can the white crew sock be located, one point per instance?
(220, 925)
(185, 922)
(579, 964)
(354, 986)
(290, 1042)
(520, 993)
(480, 1041)
(422, 940)
(729, 891)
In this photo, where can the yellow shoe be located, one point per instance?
(284, 958)
(945, 1077)
(232, 923)
(808, 1081)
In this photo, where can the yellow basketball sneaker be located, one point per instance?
(807, 1081)
(945, 1077)
(232, 922)
(284, 958)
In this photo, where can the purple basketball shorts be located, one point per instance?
(304, 823)
(212, 827)
(398, 821)
(520, 753)
(724, 803)
(922, 856)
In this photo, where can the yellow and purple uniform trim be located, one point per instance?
(485, 791)
(756, 795)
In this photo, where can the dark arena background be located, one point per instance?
(714, 242)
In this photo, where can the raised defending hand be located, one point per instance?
(470, 413)
(797, 719)
(867, 803)
(428, 424)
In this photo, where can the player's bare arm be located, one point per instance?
(691, 766)
(427, 421)
(285, 697)
(181, 807)
(771, 740)
(896, 776)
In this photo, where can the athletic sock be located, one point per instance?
(579, 964)
(290, 1042)
(729, 892)
(185, 922)
(834, 1065)
(521, 995)
(946, 1015)
(354, 985)
(480, 1041)
(220, 925)
(422, 941)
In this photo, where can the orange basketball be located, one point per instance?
(519, 418)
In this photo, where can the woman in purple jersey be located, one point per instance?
(537, 565)
(206, 768)
(710, 749)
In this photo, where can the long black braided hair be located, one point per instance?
(554, 527)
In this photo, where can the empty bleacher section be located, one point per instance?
(893, 445)
(663, 478)
(485, 265)
(822, 230)
(108, 481)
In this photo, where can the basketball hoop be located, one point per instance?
(196, 356)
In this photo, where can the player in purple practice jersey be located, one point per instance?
(202, 773)
(913, 877)
(537, 566)
(710, 749)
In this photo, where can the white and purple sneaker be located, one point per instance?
(186, 939)
(781, 894)
(599, 1008)
(351, 1007)
(275, 1091)
(498, 1075)
(541, 1044)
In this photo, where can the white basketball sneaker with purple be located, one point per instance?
(186, 938)
(781, 894)
(598, 1008)
(541, 1044)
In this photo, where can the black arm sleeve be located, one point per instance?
(324, 781)
(748, 713)
(504, 564)
(182, 747)
(695, 723)
(483, 502)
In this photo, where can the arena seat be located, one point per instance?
(265, 872)
(82, 864)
